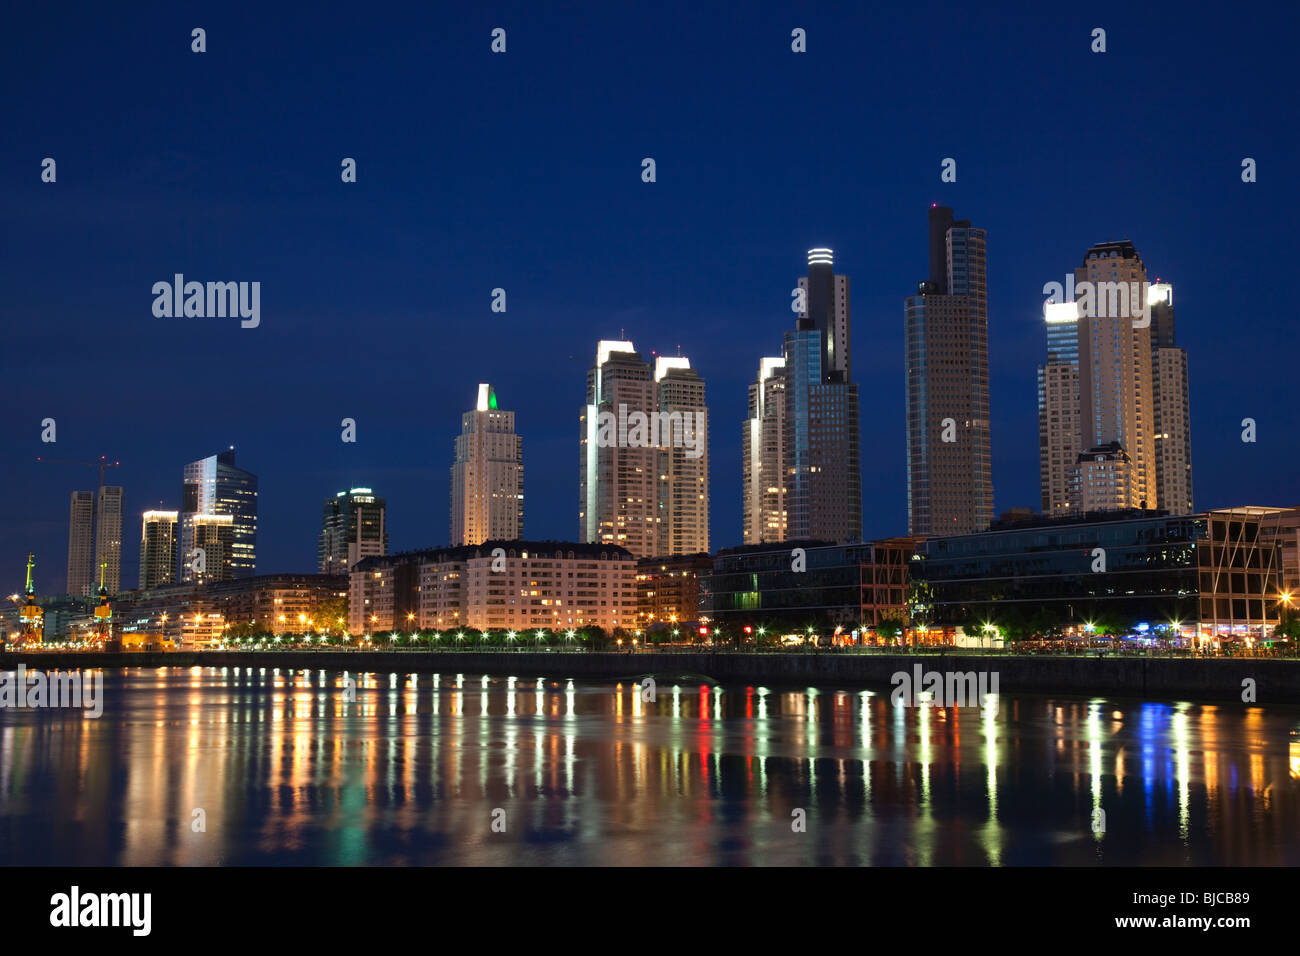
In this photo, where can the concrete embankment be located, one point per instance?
(1276, 681)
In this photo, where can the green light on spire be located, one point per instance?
(492, 399)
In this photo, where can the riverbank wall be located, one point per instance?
(1198, 679)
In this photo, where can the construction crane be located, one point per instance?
(101, 464)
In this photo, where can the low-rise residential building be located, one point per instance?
(195, 615)
(668, 589)
(497, 585)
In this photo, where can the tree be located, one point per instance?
(332, 615)
(890, 626)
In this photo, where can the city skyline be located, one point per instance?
(703, 257)
(836, 308)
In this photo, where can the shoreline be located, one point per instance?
(1210, 680)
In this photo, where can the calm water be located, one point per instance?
(289, 772)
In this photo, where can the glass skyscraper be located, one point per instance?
(214, 486)
(817, 494)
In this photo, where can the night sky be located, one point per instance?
(523, 171)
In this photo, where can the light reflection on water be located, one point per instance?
(289, 770)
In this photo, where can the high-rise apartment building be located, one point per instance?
(95, 541)
(81, 543)
(684, 457)
(1116, 403)
(949, 463)
(643, 453)
(211, 556)
(802, 475)
(1059, 425)
(1170, 398)
(108, 539)
(157, 549)
(762, 450)
(1113, 421)
(487, 475)
(214, 486)
(353, 526)
(618, 494)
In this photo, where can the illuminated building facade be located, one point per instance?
(498, 585)
(949, 463)
(157, 549)
(668, 590)
(215, 486)
(352, 527)
(1215, 575)
(643, 454)
(487, 475)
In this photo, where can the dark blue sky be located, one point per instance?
(522, 171)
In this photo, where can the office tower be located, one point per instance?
(1116, 403)
(81, 539)
(214, 486)
(1059, 424)
(108, 539)
(800, 457)
(684, 469)
(821, 457)
(212, 556)
(949, 465)
(1169, 395)
(762, 449)
(826, 300)
(643, 453)
(157, 549)
(487, 475)
(352, 527)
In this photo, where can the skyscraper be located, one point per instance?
(1116, 402)
(949, 463)
(81, 543)
(487, 475)
(157, 549)
(214, 486)
(1169, 396)
(802, 469)
(1114, 429)
(211, 558)
(762, 450)
(643, 454)
(684, 468)
(826, 301)
(1059, 424)
(108, 539)
(352, 527)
